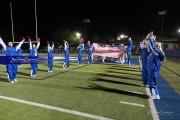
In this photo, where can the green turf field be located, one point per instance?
(96, 91)
(171, 72)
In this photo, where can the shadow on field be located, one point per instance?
(50, 76)
(116, 82)
(27, 68)
(24, 74)
(125, 66)
(55, 65)
(58, 66)
(119, 76)
(4, 79)
(171, 70)
(64, 71)
(112, 75)
(125, 69)
(43, 70)
(111, 90)
(120, 72)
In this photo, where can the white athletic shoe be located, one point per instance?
(157, 97)
(15, 80)
(145, 85)
(153, 96)
(11, 81)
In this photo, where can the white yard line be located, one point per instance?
(153, 111)
(129, 103)
(55, 108)
(152, 106)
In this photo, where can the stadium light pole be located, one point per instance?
(162, 13)
(12, 22)
(85, 21)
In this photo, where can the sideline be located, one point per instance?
(153, 111)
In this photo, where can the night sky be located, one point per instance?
(111, 17)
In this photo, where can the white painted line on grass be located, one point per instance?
(56, 108)
(129, 103)
(152, 106)
(135, 92)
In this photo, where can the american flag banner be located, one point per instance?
(109, 50)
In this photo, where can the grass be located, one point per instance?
(19, 111)
(95, 89)
(171, 72)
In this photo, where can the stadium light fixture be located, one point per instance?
(122, 36)
(162, 13)
(78, 34)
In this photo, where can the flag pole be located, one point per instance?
(36, 20)
(12, 22)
